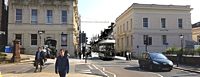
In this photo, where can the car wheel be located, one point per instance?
(151, 67)
(140, 66)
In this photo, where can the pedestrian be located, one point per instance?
(79, 54)
(62, 64)
(39, 59)
(45, 53)
(48, 53)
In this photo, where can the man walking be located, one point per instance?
(39, 59)
(62, 64)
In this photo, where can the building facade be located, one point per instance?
(196, 32)
(35, 21)
(159, 25)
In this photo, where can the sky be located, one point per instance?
(109, 10)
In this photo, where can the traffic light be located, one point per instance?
(148, 41)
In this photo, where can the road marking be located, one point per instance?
(100, 70)
(90, 67)
(86, 71)
(114, 75)
(158, 74)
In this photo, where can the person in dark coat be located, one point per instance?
(39, 59)
(62, 64)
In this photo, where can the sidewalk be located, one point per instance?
(195, 69)
(49, 70)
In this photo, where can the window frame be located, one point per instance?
(34, 39)
(164, 39)
(145, 22)
(18, 16)
(49, 17)
(180, 23)
(163, 22)
(34, 19)
(64, 16)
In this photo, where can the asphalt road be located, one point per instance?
(122, 68)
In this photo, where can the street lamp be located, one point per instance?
(40, 32)
(181, 37)
(179, 55)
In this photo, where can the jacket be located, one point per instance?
(62, 64)
(42, 56)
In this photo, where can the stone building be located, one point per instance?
(163, 26)
(35, 21)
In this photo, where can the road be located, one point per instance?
(114, 68)
(122, 68)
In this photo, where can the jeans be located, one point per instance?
(62, 74)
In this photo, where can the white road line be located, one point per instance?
(90, 67)
(114, 75)
(100, 70)
(158, 74)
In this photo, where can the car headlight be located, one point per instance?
(154, 62)
(170, 63)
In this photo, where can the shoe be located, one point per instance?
(35, 71)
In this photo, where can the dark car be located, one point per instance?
(155, 61)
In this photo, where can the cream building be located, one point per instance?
(196, 32)
(34, 21)
(162, 23)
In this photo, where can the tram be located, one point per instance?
(106, 49)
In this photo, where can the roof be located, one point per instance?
(106, 41)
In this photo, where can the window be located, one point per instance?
(127, 41)
(164, 39)
(180, 23)
(49, 16)
(145, 22)
(34, 16)
(18, 16)
(33, 39)
(127, 26)
(64, 17)
(63, 39)
(124, 27)
(163, 22)
(131, 40)
(131, 23)
(19, 37)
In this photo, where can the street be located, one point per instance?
(122, 68)
(94, 68)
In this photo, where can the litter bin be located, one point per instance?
(8, 49)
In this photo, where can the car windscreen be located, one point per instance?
(157, 56)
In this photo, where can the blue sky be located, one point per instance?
(109, 10)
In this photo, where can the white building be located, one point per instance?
(34, 21)
(162, 23)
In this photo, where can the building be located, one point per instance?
(3, 25)
(35, 21)
(196, 32)
(152, 28)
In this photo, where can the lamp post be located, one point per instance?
(179, 55)
(40, 32)
(181, 37)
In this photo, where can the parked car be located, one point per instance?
(155, 61)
